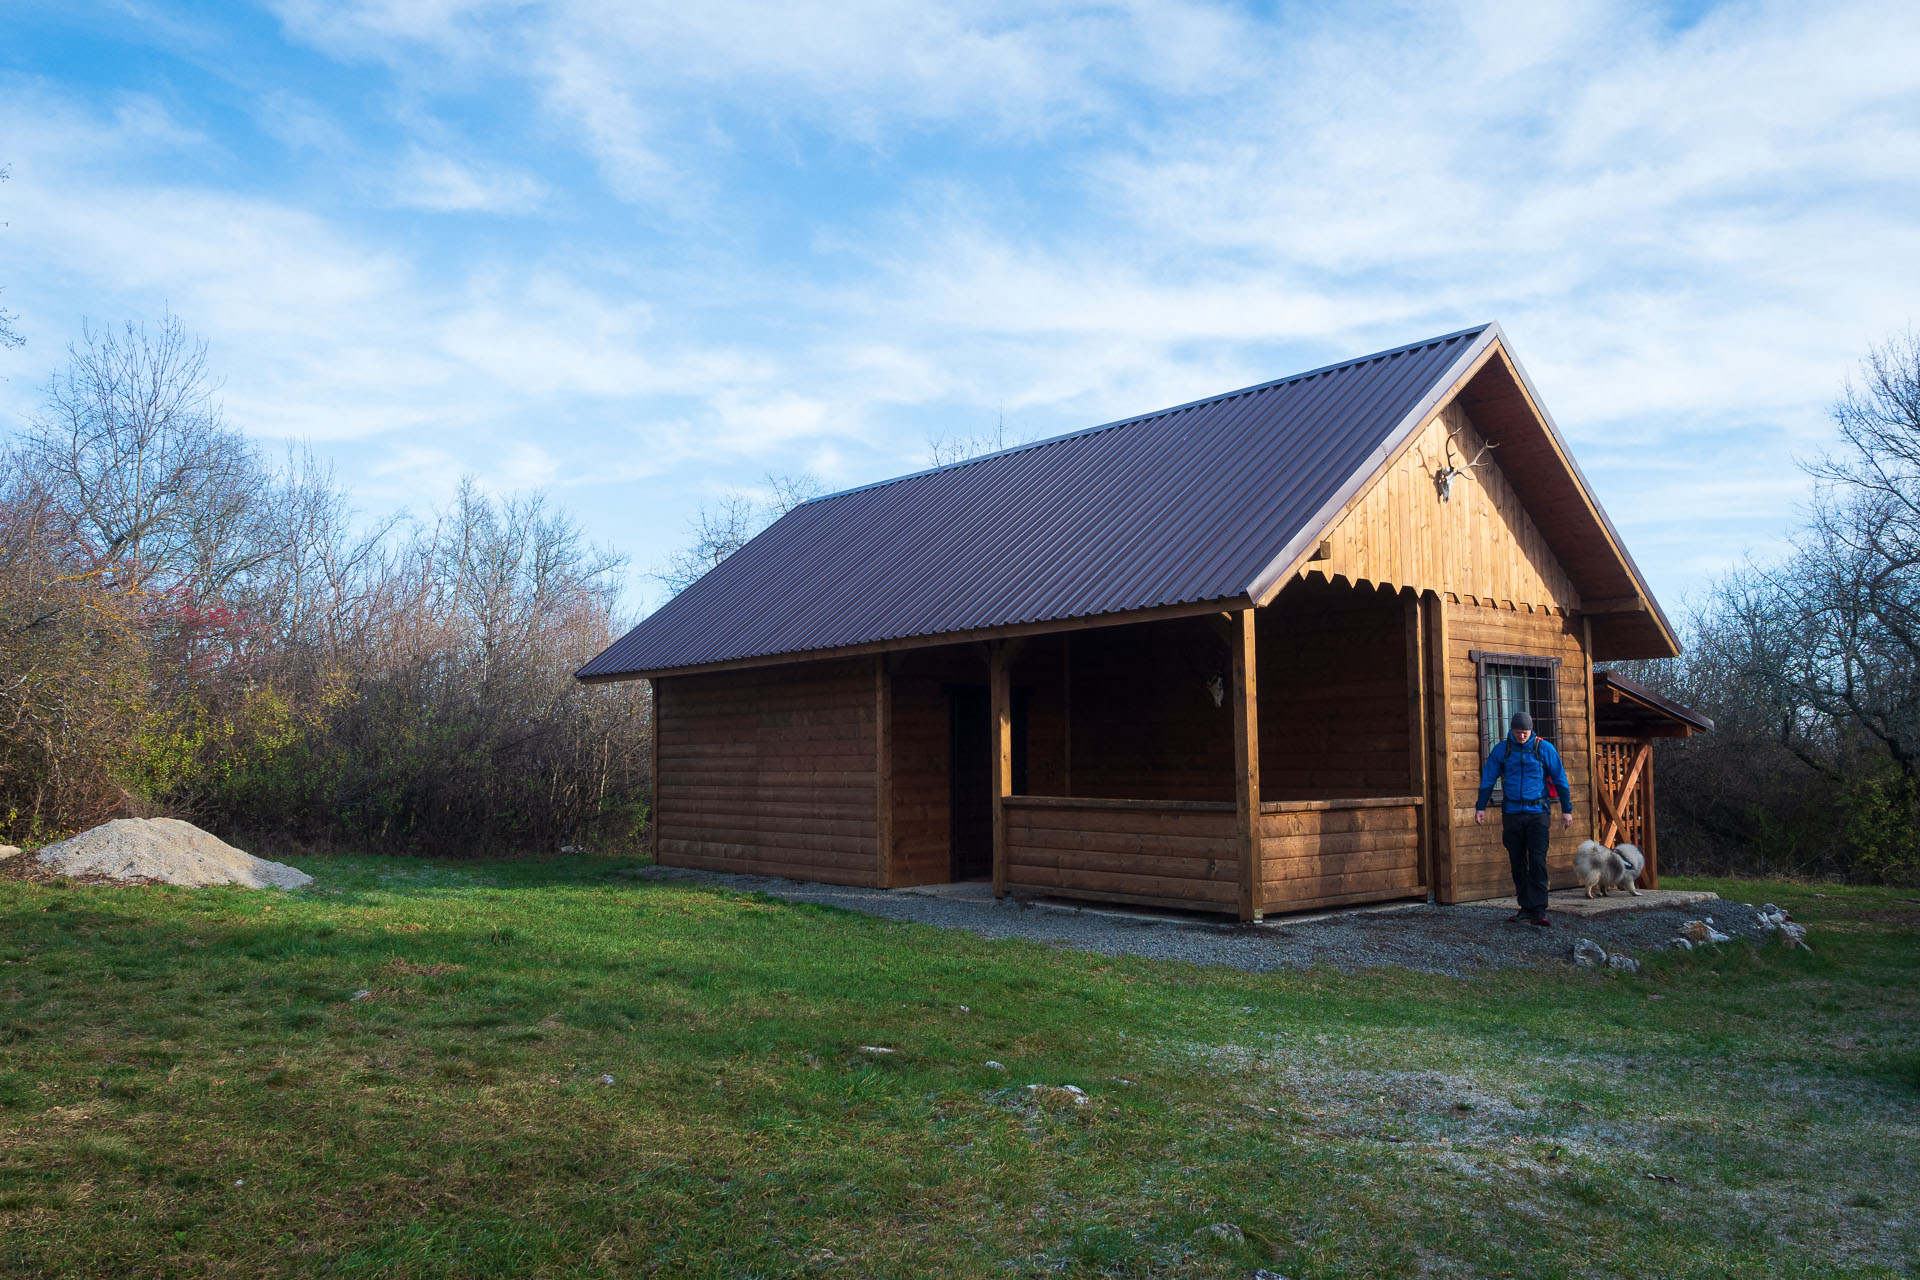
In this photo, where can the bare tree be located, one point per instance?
(1810, 665)
(160, 493)
(943, 450)
(723, 527)
(9, 335)
(1852, 594)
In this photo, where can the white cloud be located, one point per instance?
(859, 226)
(441, 184)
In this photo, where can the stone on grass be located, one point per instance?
(165, 850)
(1700, 933)
(991, 1065)
(1679, 944)
(1220, 1231)
(9, 851)
(1794, 935)
(1045, 1093)
(1589, 954)
(1624, 963)
(875, 1050)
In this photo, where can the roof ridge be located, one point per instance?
(1138, 418)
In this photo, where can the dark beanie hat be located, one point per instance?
(1521, 720)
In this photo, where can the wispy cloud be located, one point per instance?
(646, 252)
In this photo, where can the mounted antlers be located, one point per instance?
(1443, 478)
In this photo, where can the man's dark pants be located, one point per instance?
(1525, 835)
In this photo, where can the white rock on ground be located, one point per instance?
(167, 850)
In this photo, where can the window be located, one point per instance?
(1511, 682)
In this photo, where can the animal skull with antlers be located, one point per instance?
(1443, 478)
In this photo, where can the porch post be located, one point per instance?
(1246, 762)
(1417, 735)
(882, 771)
(1439, 755)
(1000, 694)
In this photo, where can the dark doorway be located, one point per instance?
(970, 774)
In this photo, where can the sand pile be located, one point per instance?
(166, 850)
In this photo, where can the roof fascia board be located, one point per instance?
(1539, 410)
(1158, 613)
(1268, 581)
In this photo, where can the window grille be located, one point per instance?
(1510, 682)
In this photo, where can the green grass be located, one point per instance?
(189, 1087)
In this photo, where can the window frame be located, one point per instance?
(1484, 658)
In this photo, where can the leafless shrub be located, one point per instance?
(1811, 666)
(721, 528)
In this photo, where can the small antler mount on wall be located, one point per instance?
(1443, 478)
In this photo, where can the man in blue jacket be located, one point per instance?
(1524, 766)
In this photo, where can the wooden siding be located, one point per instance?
(771, 772)
(1482, 543)
(1340, 851)
(1479, 861)
(1333, 694)
(1151, 852)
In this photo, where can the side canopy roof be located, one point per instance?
(1209, 504)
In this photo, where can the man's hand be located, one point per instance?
(1566, 819)
(1479, 817)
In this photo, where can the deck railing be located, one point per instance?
(1183, 853)
(1162, 853)
(1325, 853)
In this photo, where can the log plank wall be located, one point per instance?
(1480, 867)
(1156, 853)
(771, 772)
(1331, 852)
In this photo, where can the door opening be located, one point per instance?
(970, 775)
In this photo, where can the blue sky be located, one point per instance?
(641, 254)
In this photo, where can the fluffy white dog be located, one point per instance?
(1602, 868)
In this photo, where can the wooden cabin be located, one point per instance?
(1243, 655)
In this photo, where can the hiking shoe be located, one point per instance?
(1540, 921)
(1519, 917)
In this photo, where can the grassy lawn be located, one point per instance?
(188, 1086)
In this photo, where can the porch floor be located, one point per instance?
(1576, 903)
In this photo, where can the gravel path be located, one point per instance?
(1457, 940)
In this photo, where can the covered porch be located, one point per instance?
(1261, 761)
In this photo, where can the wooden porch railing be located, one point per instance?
(1623, 791)
(1173, 853)
(1160, 853)
(1325, 853)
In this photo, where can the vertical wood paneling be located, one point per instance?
(1480, 543)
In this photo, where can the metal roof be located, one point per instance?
(1206, 501)
(1641, 703)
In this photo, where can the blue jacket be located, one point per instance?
(1522, 773)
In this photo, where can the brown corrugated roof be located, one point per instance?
(1213, 501)
(1639, 704)
(1196, 503)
